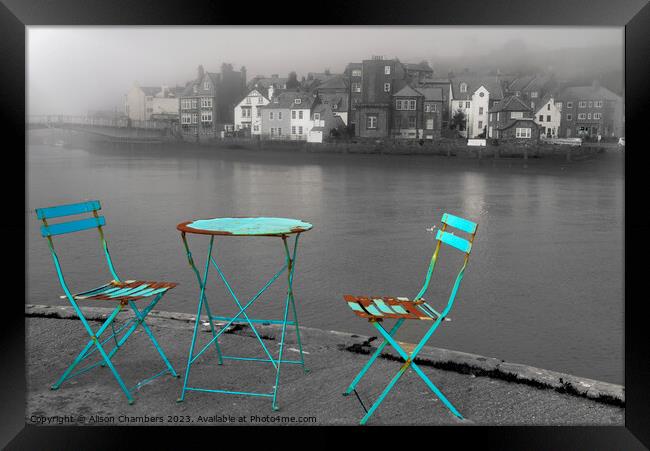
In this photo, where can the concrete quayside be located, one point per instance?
(486, 390)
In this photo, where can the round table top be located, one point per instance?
(245, 226)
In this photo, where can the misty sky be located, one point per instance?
(73, 69)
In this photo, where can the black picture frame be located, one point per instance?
(634, 15)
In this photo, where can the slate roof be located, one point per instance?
(510, 103)
(588, 92)
(431, 94)
(520, 83)
(337, 82)
(418, 66)
(287, 99)
(408, 91)
(266, 82)
(150, 90)
(340, 100)
(492, 84)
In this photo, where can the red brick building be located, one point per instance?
(511, 119)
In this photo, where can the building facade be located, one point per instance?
(248, 114)
(473, 96)
(143, 102)
(207, 103)
(589, 111)
(511, 119)
(548, 116)
(288, 116)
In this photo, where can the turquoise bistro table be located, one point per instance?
(282, 228)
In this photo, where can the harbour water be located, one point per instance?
(544, 285)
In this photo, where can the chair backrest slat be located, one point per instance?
(67, 210)
(72, 226)
(459, 223)
(459, 243)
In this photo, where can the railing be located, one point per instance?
(120, 122)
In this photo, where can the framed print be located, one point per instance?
(420, 215)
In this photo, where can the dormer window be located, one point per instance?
(297, 101)
(387, 70)
(206, 85)
(463, 87)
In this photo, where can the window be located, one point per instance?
(371, 122)
(558, 105)
(279, 115)
(434, 107)
(598, 104)
(293, 114)
(398, 104)
(412, 104)
(588, 115)
(533, 95)
(293, 129)
(259, 113)
(497, 116)
(548, 107)
(591, 104)
(194, 103)
(206, 116)
(317, 116)
(569, 117)
(387, 70)
(490, 132)
(463, 87)
(206, 85)
(256, 128)
(245, 112)
(271, 115)
(481, 94)
(300, 114)
(412, 121)
(206, 102)
(259, 100)
(356, 87)
(300, 130)
(480, 125)
(516, 115)
(356, 73)
(480, 110)
(582, 104)
(386, 87)
(582, 116)
(523, 132)
(186, 118)
(491, 117)
(467, 104)
(548, 118)
(195, 118)
(569, 104)
(598, 115)
(279, 131)
(541, 118)
(429, 124)
(272, 131)
(297, 101)
(248, 100)
(186, 104)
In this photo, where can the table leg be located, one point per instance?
(198, 317)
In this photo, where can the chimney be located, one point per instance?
(271, 90)
(243, 77)
(200, 72)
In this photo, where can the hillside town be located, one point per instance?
(381, 98)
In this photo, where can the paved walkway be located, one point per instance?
(314, 398)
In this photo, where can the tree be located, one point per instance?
(293, 82)
(458, 120)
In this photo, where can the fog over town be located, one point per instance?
(71, 70)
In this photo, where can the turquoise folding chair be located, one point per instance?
(116, 291)
(376, 309)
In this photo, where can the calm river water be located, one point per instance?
(544, 286)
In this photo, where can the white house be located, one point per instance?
(548, 118)
(300, 120)
(248, 113)
(143, 101)
(474, 96)
(478, 115)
